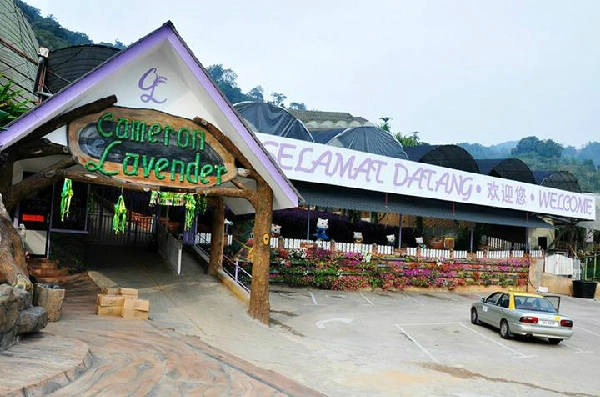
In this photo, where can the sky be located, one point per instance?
(455, 71)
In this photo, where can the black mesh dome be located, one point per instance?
(508, 168)
(449, 156)
(270, 119)
(66, 65)
(558, 179)
(370, 140)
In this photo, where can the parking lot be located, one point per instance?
(422, 343)
(412, 343)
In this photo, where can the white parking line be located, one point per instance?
(588, 331)
(367, 299)
(426, 324)
(314, 298)
(577, 349)
(435, 360)
(518, 353)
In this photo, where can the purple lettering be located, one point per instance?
(281, 155)
(400, 174)
(301, 160)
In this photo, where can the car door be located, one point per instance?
(497, 312)
(487, 305)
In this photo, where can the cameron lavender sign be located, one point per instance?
(313, 162)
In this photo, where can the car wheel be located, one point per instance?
(475, 317)
(504, 330)
(554, 341)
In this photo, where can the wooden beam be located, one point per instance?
(217, 241)
(65, 118)
(225, 141)
(259, 306)
(33, 183)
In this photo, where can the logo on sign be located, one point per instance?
(148, 83)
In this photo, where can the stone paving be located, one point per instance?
(84, 354)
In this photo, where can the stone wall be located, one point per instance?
(18, 316)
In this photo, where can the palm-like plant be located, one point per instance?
(10, 107)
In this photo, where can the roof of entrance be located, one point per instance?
(193, 95)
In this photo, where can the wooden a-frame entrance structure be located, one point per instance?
(153, 100)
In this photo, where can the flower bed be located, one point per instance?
(319, 268)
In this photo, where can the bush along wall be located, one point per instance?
(319, 268)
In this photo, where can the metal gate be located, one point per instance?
(139, 231)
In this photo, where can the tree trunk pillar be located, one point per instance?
(259, 306)
(215, 262)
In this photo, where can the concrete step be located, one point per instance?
(48, 272)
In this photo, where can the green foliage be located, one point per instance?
(408, 141)
(10, 107)
(48, 31)
(478, 151)
(278, 99)
(405, 140)
(297, 106)
(585, 171)
(544, 148)
(50, 34)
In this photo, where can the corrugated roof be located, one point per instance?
(315, 115)
(16, 34)
(366, 200)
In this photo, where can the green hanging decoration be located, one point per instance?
(190, 210)
(65, 198)
(120, 216)
(202, 204)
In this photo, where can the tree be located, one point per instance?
(297, 106)
(532, 145)
(226, 80)
(408, 141)
(526, 146)
(278, 99)
(256, 94)
(386, 124)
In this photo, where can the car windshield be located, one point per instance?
(534, 303)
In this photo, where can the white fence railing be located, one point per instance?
(295, 243)
(562, 265)
(206, 238)
(536, 253)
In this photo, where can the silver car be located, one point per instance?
(521, 313)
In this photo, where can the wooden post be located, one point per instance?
(216, 246)
(259, 306)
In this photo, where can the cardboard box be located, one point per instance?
(110, 300)
(109, 311)
(122, 302)
(110, 291)
(142, 304)
(130, 292)
(131, 311)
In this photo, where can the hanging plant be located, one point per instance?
(190, 210)
(202, 204)
(65, 198)
(154, 195)
(120, 216)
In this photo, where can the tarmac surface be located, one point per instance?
(200, 341)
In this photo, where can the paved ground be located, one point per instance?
(338, 343)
